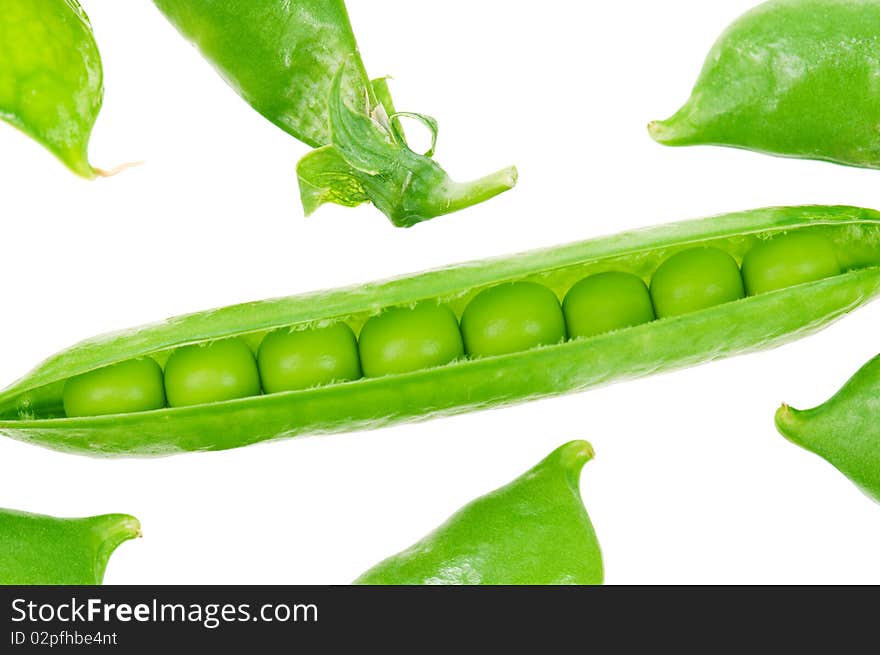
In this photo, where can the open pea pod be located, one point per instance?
(845, 430)
(298, 64)
(796, 78)
(533, 531)
(32, 409)
(44, 550)
(51, 80)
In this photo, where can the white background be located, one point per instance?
(691, 483)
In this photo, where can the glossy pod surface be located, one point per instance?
(281, 57)
(32, 410)
(845, 431)
(44, 550)
(534, 531)
(51, 80)
(795, 78)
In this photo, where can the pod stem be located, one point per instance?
(460, 195)
(369, 160)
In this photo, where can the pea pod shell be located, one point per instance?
(845, 430)
(30, 409)
(51, 80)
(281, 57)
(796, 78)
(533, 531)
(44, 550)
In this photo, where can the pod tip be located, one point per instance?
(658, 131)
(675, 131)
(116, 170)
(785, 418)
(511, 176)
(130, 526)
(117, 527)
(575, 454)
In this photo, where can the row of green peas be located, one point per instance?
(507, 318)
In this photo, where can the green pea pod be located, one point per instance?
(533, 531)
(32, 409)
(298, 64)
(51, 81)
(845, 431)
(796, 78)
(281, 57)
(43, 550)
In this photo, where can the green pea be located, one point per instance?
(787, 261)
(401, 340)
(301, 359)
(511, 318)
(606, 302)
(695, 279)
(132, 386)
(210, 373)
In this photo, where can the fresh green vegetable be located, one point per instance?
(211, 373)
(534, 531)
(511, 318)
(787, 261)
(43, 550)
(796, 78)
(695, 279)
(298, 64)
(607, 302)
(51, 81)
(32, 408)
(301, 359)
(281, 57)
(136, 385)
(402, 340)
(845, 431)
